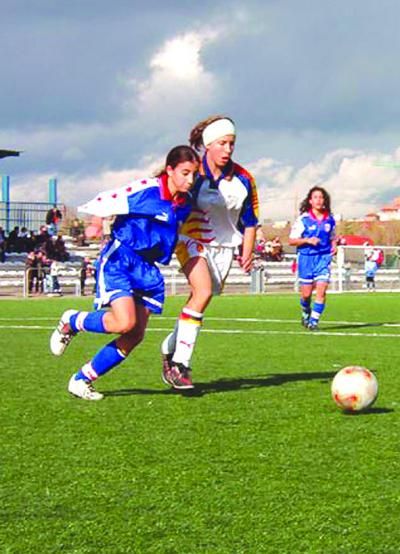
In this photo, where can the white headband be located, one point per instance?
(217, 129)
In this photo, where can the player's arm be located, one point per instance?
(246, 259)
(302, 241)
(248, 223)
(296, 235)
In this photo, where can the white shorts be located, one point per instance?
(219, 259)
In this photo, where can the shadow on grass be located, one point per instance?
(226, 385)
(360, 325)
(369, 411)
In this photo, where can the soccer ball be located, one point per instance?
(354, 388)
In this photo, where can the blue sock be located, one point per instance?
(105, 359)
(305, 306)
(316, 313)
(88, 321)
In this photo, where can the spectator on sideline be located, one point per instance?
(86, 270)
(3, 245)
(60, 250)
(12, 241)
(35, 267)
(373, 260)
(53, 217)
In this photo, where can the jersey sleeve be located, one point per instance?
(333, 231)
(249, 213)
(297, 229)
(131, 199)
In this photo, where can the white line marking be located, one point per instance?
(239, 332)
(233, 319)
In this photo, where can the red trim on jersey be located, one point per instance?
(165, 193)
(325, 215)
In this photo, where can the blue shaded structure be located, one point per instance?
(53, 192)
(31, 215)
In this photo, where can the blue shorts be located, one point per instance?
(314, 268)
(122, 272)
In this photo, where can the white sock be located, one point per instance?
(189, 325)
(168, 344)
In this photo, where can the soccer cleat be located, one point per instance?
(312, 326)
(305, 320)
(166, 369)
(180, 377)
(83, 389)
(62, 335)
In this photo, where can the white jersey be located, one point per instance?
(222, 212)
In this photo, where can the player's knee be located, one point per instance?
(124, 325)
(202, 297)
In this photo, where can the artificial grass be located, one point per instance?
(257, 459)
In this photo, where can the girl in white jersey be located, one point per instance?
(223, 219)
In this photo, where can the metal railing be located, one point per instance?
(31, 215)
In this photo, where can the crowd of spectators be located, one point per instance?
(269, 250)
(20, 240)
(46, 253)
(43, 262)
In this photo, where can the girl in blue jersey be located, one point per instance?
(148, 214)
(314, 235)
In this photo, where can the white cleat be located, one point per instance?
(83, 389)
(62, 335)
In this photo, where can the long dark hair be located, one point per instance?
(196, 134)
(305, 205)
(179, 154)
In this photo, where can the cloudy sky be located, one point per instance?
(96, 92)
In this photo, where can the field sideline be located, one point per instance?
(256, 459)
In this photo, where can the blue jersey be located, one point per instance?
(307, 226)
(147, 220)
(145, 231)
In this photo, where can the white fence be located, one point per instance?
(347, 275)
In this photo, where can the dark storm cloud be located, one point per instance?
(316, 65)
(61, 61)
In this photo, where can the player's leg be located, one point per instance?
(306, 282)
(322, 274)
(305, 303)
(114, 282)
(99, 321)
(112, 354)
(318, 305)
(188, 325)
(192, 257)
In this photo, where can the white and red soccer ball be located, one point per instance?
(354, 388)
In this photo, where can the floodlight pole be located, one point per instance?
(53, 192)
(5, 197)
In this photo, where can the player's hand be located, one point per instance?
(313, 241)
(246, 263)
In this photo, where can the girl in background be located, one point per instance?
(314, 235)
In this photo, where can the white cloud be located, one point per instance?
(178, 80)
(354, 180)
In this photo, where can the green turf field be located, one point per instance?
(258, 459)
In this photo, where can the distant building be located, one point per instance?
(371, 217)
(390, 212)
